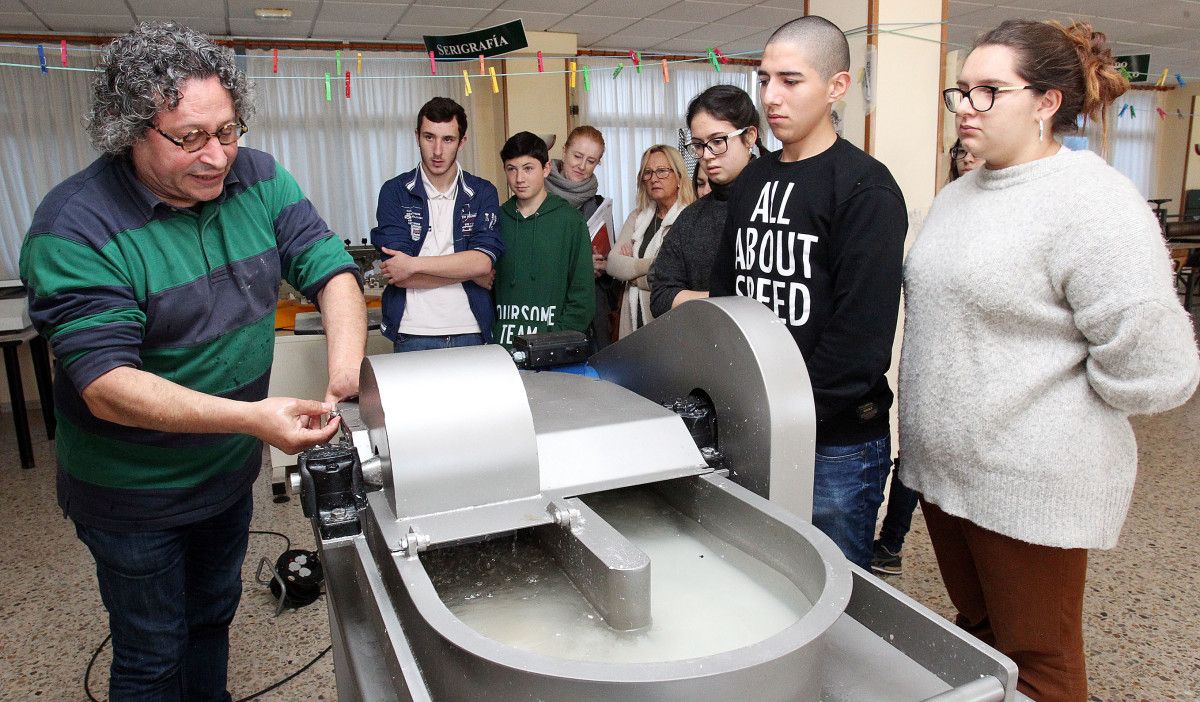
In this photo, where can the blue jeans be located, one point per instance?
(412, 342)
(902, 500)
(847, 492)
(170, 597)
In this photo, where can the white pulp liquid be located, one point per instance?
(706, 595)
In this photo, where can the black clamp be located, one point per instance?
(331, 489)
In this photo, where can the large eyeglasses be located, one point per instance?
(715, 146)
(196, 139)
(660, 173)
(982, 100)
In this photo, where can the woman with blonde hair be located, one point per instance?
(1040, 314)
(664, 189)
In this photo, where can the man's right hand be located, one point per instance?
(290, 424)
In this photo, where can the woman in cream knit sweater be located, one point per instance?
(1040, 314)
(663, 191)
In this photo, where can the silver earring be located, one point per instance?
(1041, 130)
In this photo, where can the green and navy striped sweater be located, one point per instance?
(117, 277)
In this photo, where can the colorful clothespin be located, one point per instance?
(338, 57)
(572, 73)
(1124, 109)
(666, 75)
(482, 70)
(495, 83)
(541, 64)
(62, 50)
(347, 85)
(1179, 113)
(358, 70)
(1179, 80)
(712, 58)
(1162, 78)
(274, 60)
(42, 58)
(1125, 73)
(720, 56)
(466, 83)
(617, 71)
(587, 79)
(432, 64)
(1132, 112)
(636, 57)
(1162, 114)
(328, 89)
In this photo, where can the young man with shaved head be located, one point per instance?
(816, 233)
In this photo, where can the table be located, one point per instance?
(1187, 274)
(309, 323)
(1159, 210)
(10, 342)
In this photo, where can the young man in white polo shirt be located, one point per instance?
(438, 232)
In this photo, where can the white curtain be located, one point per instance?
(340, 151)
(42, 142)
(1130, 138)
(635, 112)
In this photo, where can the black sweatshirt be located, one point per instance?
(820, 242)
(685, 258)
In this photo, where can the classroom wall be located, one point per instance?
(849, 16)
(536, 103)
(1171, 145)
(525, 103)
(908, 104)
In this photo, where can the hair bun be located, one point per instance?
(1103, 83)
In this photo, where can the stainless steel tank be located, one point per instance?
(544, 536)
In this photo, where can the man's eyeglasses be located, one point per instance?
(715, 146)
(660, 173)
(981, 97)
(196, 139)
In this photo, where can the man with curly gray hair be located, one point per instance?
(154, 274)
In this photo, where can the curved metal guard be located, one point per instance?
(461, 427)
(744, 358)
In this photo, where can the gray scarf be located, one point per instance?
(569, 190)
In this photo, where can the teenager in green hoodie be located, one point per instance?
(544, 280)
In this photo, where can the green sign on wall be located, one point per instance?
(1138, 66)
(492, 41)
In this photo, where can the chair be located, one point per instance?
(1191, 206)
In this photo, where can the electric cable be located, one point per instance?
(279, 683)
(87, 673)
(275, 533)
(289, 678)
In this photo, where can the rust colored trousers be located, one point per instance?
(1024, 600)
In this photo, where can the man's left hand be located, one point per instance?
(486, 280)
(343, 384)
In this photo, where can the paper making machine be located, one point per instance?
(489, 533)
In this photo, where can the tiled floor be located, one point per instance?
(1141, 610)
